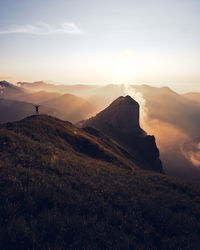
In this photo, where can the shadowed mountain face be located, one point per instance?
(68, 188)
(121, 122)
(121, 115)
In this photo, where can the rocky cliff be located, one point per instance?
(120, 120)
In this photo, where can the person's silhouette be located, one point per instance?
(36, 109)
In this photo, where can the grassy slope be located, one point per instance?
(64, 188)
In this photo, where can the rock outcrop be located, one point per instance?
(120, 120)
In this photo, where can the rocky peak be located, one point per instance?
(124, 100)
(121, 115)
(120, 120)
(4, 84)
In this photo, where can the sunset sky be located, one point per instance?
(155, 42)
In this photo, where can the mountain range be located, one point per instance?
(16, 103)
(161, 103)
(171, 117)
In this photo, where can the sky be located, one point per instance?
(153, 42)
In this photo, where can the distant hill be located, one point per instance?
(82, 90)
(11, 110)
(10, 91)
(168, 106)
(162, 103)
(194, 96)
(69, 188)
(16, 103)
(73, 108)
(120, 120)
(38, 97)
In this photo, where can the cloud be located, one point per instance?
(191, 151)
(43, 29)
(128, 90)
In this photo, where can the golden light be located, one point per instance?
(123, 67)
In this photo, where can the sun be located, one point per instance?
(123, 68)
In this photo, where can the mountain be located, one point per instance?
(16, 103)
(194, 96)
(66, 107)
(162, 103)
(73, 108)
(121, 115)
(99, 96)
(81, 90)
(38, 97)
(69, 188)
(10, 91)
(167, 106)
(11, 110)
(120, 120)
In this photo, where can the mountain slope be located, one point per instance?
(38, 97)
(16, 103)
(81, 90)
(73, 108)
(11, 110)
(194, 96)
(168, 106)
(63, 187)
(10, 91)
(120, 120)
(18, 93)
(64, 136)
